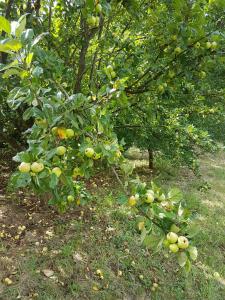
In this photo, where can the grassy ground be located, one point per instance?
(56, 257)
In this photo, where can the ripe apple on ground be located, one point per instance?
(89, 152)
(24, 167)
(182, 242)
(37, 167)
(61, 150)
(172, 237)
(57, 171)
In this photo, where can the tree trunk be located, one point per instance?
(150, 159)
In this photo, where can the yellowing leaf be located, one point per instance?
(4, 25)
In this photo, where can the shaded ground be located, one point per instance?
(51, 256)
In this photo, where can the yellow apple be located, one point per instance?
(37, 167)
(182, 242)
(70, 198)
(208, 45)
(61, 150)
(98, 8)
(172, 237)
(174, 248)
(57, 171)
(24, 167)
(132, 201)
(69, 133)
(89, 152)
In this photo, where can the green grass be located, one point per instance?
(106, 239)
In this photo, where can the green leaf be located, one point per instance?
(193, 252)
(20, 28)
(53, 181)
(187, 266)
(182, 259)
(192, 230)
(10, 72)
(175, 195)
(29, 58)
(5, 25)
(153, 241)
(21, 179)
(10, 45)
(122, 199)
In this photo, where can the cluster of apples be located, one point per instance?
(178, 244)
(93, 21)
(175, 242)
(35, 167)
(111, 71)
(63, 133)
(149, 198)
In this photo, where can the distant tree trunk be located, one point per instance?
(150, 159)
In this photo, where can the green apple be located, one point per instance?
(166, 243)
(149, 197)
(69, 133)
(24, 167)
(174, 228)
(113, 74)
(162, 197)
(110, 68)
(57, 171)
(182, 242)
(89, 152)
(177, 50)
(41, 122)
(161, 88)
(98, 8)
(171, 74)
(214, 45)
(208, 45)
(174, 248)
(97, 20)
(118, 153)
(91, 20)
(77, 172)
(37, 167)
(70, 198)
(54, 130)
(172, 237)
(197, 45)
(202, 74)
(61, 150)
(174, 37)
(96, 156)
